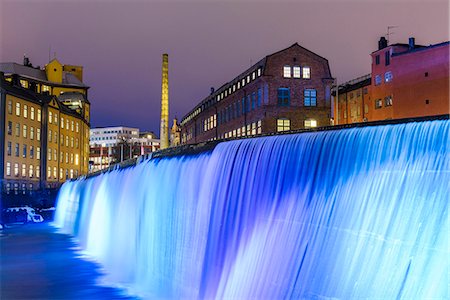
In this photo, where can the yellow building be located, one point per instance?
(45, 121)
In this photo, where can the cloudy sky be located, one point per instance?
(120, 43)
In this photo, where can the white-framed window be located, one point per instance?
(50, 117)
(17, 109)
(306, 72)
(297, 71)
(24, 170)
(55, 118)
(388, 76)
(39, 114)
(62, 122)
(38, 172)
(32, 113)
(310, 123)
(16, 169)
(287, 71)
(38, 134)
(38, 153)
(24, 130)
(283, 124)
(30, 171)
(377, 79)
(8, 169)
(25, 111)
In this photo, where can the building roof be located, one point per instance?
(422, 48)
(39, 74)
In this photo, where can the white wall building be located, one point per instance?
(111, 136)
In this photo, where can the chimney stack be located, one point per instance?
(382, 43)
(164, 130)
(212, 90)
(412, 43)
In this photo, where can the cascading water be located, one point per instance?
(349, 214)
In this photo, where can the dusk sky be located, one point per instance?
(120, 43)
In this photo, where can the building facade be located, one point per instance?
(407, 80)
(45, 121)
(112, 145)
(287, 90)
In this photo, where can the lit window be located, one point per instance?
(284, 97)
(49, 156)
(377, 80)
(50, 117)
(259, 72)
(243, 81)
(45, 88)
(248, 78)
(24, 83)
(25, 111)
(30, 171)
(17, 109)
(38, 153)
(378, 103)
(54, 172)
(49, 172)
(49, 136)
(388, 76)
(38, 173)
(310, 123)
(16, 169)
(24, 170)
(62, 122)
(239, 85)
(310, 97)
(32, 113)
(8, 169)
(388, 101)
(24, 130)
(38, 134)
(253, 76)
(39, 115)
(297, 71)
(306, 72)
(287, 71)
(283, 125)
(10, 107)
(17, 129)
(56, 119)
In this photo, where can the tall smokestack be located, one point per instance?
(164, 131)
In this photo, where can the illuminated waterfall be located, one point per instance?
(349, 214)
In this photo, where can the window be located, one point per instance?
(253, 101)
(17, 109)
(38, 153)
(310, 123)
(55, 118)
(38, 173)
(76, 159)
(377, 59)
(24, 170)
(8, 169)
(283, 125)
(39, 115)
(67, 124)
(310, 97)
(284, 97)
(365, 91)
(24, 130)
(17, 129)
(378, 103)
(259, 97)
(55, 156)
(31, 152)
(49, 172)
(9, 149)
(67, 141)
(67, 158)
(366, 109)
(30, 171)
(25, 111)
(9, 107)
(62, 122)
(24, 152)
(45, 88)
(16, 169)
(387, 58)
(38, 134)
(32, 113)
(31, 133)
(49, 157)
(377, 79)
(50, 117)
(259, 72)
(287, 71)
(297, 71)
(24, 83)
(77, 127)
(54, 172)
(306, 72)
(16, 150)
(388, 76)
(388, 101)
(10, 128)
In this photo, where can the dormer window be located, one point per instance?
(287, 71)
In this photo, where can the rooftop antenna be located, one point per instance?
(389, 32)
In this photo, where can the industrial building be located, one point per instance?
(287, 90)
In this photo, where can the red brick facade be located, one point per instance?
(249, 104)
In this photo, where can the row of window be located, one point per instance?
(309, 97)
(239, 108)
(251, 129)
(69, 157)
(387, 102)
(16, 187)
(284, 124)
(25, 84)
(34, 113)
(210, 123)
(233, 87)
(24, 131)
(296, 72)
(387, 78)
(387, 58)
(24, 150)
(32, 170)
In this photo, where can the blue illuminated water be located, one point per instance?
(349, 214)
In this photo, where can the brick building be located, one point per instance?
(287, 90)
(407, 80)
